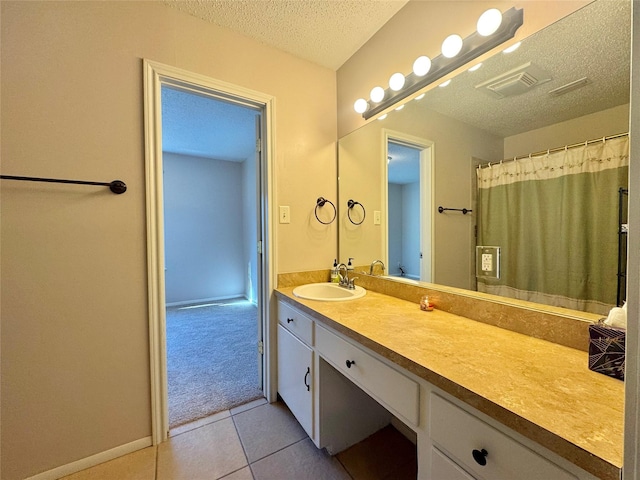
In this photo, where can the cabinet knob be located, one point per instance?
(480, 456)
(289, 320)
(350, 362)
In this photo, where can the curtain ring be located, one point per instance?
(320, 203)
(350, 205)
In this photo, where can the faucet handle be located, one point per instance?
(352, 283)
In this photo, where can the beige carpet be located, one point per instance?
(212, 360)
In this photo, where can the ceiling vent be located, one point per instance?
(515, 82)
(569, 87)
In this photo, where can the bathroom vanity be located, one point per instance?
(480, 401)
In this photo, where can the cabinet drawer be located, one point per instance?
(387, 385)
(296, 322)
(442, 468)
(459, 433)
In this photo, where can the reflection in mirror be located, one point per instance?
(469, 126)
(408, 220)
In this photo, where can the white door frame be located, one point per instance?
(427, 201)
(157, 75)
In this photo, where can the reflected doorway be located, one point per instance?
(408, 186)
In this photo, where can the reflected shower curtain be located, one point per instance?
(555, 217)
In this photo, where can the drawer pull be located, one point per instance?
(480, 456)
(289, 320)
(305, 379)
(350, 362)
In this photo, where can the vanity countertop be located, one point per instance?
(540, 389)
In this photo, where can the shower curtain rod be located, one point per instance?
(116, 186)
(557, 149)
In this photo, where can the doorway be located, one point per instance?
(208, 226)
(408, 188)
(211, 227)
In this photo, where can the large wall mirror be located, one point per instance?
(566, 84)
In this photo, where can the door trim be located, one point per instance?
(155, 75)
(427, 200)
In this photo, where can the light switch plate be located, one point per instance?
(487, 262)
(285, 214)
(376, 217)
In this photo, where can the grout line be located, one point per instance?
(231, 473)
(200, 426)
(281, 449)
(344, 466)
(248, 409)
(241, 442)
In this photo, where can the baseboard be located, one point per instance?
(196, 301)
(93, 460)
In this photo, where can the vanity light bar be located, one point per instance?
(472, 47)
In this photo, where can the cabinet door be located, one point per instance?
(295, 377)
(443, 468)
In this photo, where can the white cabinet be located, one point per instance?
(341, 392)
(482, 450)
(296, 364)
(295, 377)
(390, 387)
(442, 468)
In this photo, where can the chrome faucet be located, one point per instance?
(344, 279)
(373, 264)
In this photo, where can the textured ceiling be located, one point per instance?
(326, 32)
(593, 42)
(205, 127)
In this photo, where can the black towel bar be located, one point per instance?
(116, 186)
(463, 210)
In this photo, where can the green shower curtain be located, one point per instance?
(555, 219)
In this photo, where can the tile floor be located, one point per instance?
(258, 441)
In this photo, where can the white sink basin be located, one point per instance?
(328, 292)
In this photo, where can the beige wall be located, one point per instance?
(75, 361)
(419, 29)
(589, 127)
(455, 144)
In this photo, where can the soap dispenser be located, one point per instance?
(350, 266)
(335, 277)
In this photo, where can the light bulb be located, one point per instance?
(489, 22)
(452, 46)
(475, 67)
(396, 82)
(421, 66)
(400, 107)
(512, 48)
(360, 105)
(382, 117)
(444, 84)
(377, 94)
(420, 97)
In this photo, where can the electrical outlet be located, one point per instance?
(285, 215)
(376, 217)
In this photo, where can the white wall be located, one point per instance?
(411, 228)
(204, 229)
(394, 200)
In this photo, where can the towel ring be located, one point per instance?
(351, 204)
(320, 203)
